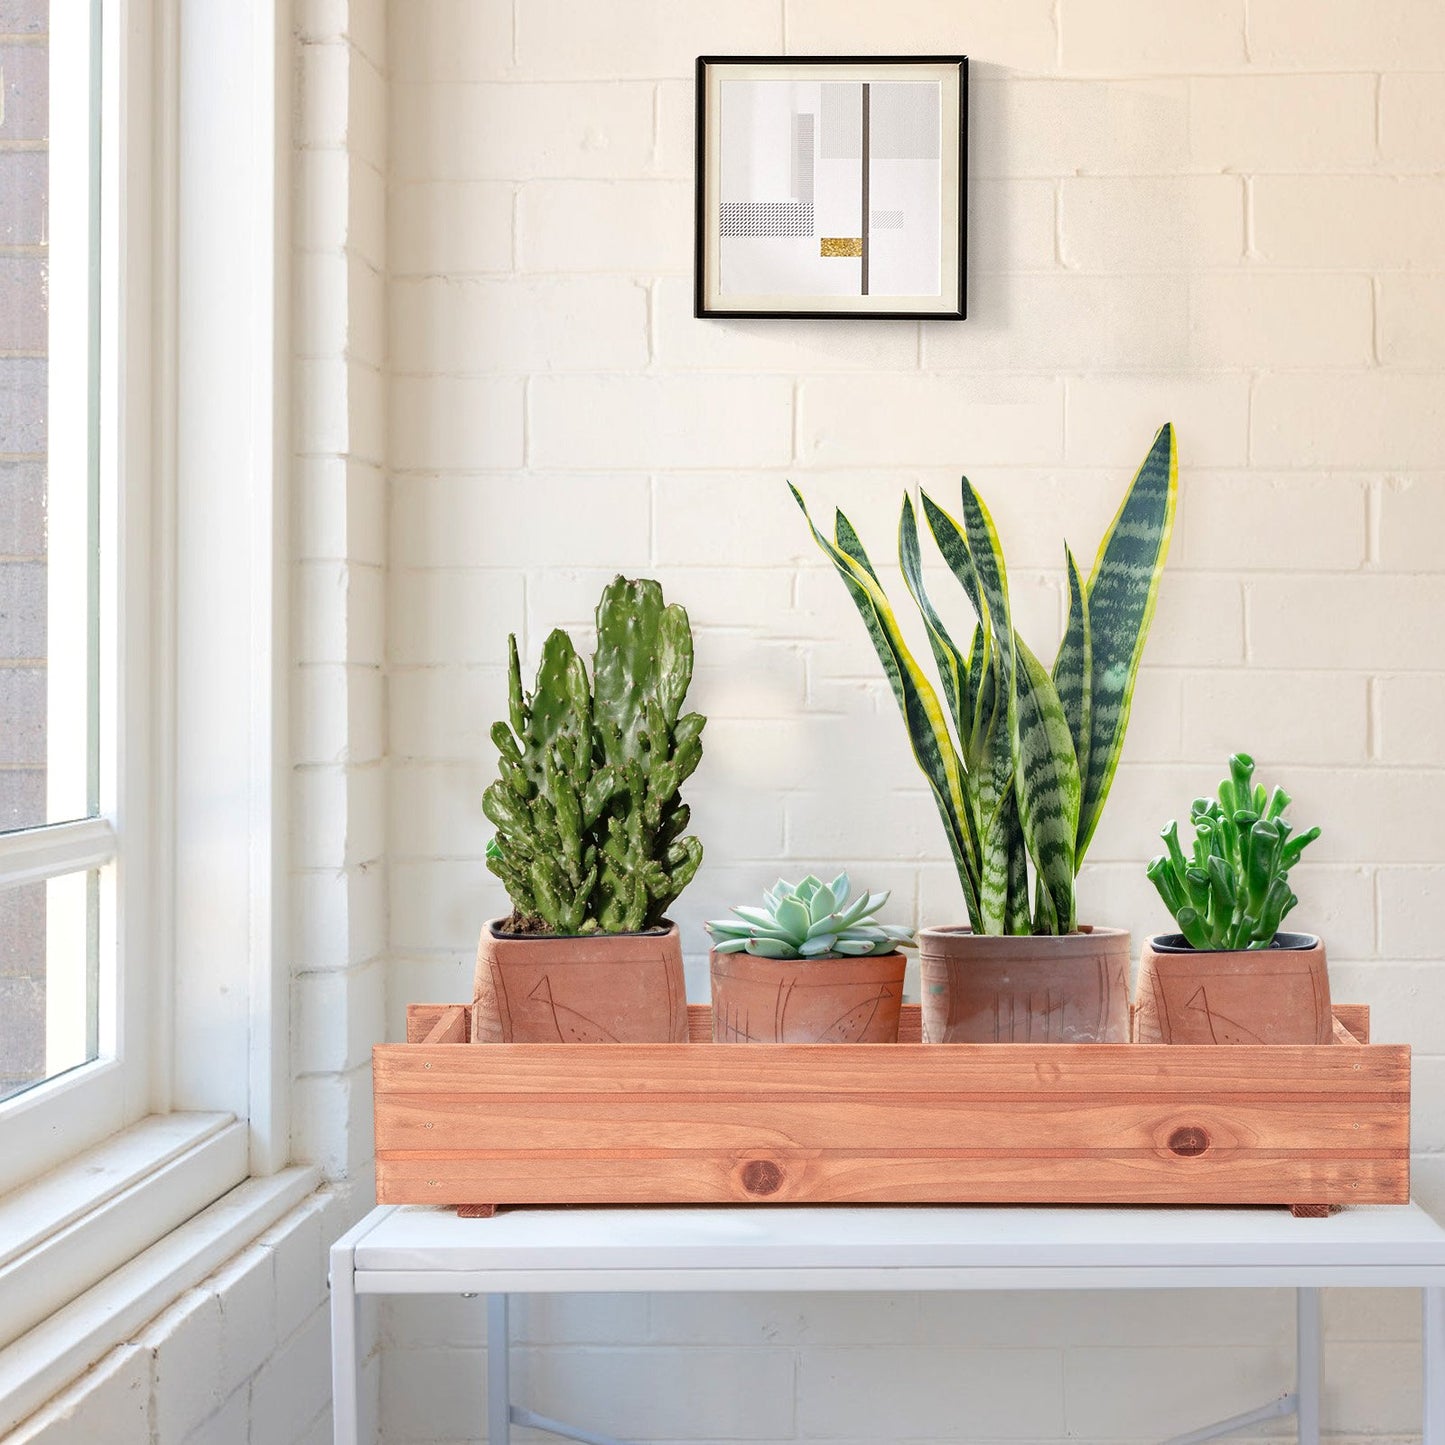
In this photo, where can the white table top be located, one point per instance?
(420, 1249)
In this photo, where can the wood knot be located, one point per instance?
(762, 1176)
(1189, 1142)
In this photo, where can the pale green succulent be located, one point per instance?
(811, 919)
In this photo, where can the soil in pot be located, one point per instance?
(623, 988)
(1025, 989)
(1275, 995)
(806, 1000)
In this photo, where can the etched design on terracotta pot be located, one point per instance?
(806, 1000)
(572, 1027)
(853, 1026)
(1016, 989)
(593, 989)
(1277, 995)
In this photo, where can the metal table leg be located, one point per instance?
(1434, 1367)
(559, 1427)
(1303, 1400)
(502, 1414)
(1309, 1364)
(1276, 1408)
(499, 1381)
(344, 1343)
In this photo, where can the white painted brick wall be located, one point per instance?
(1221, 214)
(340, 599)
(241, 1358)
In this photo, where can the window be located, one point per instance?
(142, 437)
(58, 768)
(110, 608)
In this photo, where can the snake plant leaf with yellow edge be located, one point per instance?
(1073, 668)
(1036, 750)
(933, 747)
(982, 670)
(1048, 786)
(1046, 772)
(952, 664)
(987, 748)
(1123, 589)
(1003, 889)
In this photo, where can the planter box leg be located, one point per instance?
(476, 1211)
(1311, 1211)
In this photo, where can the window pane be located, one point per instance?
(47, 595)
(48, 979)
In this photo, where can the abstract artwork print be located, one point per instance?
(858, 165)
(827, 190)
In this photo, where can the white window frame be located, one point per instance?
(71, 1111)
(194, 426)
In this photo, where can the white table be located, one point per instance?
(414, 1250)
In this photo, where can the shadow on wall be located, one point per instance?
(1054, 180)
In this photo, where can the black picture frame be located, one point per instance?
(705, 304)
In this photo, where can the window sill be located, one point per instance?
(70, 1228)
(97, 1248)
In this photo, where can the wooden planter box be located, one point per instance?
(702, 1123)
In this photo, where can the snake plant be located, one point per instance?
(590, 821)
(1023, 776)
(1234, 891)
(811, 919)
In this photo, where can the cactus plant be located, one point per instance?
(1233, 892)
(587, 804)
(811, 919)
(1023, 776)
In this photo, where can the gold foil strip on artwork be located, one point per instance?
(840, 246)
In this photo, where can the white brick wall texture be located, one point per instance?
(240, 1359)
(338, 704)
(339, 586)
(1224, 215)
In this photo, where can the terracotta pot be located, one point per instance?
(624, 988)
(806, 1000)
(1275, 995)
(986, 989)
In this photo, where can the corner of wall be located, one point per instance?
(339, 740)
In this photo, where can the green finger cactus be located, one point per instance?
(1233, 891)
(587, 804)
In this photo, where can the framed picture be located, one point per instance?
(831, 186)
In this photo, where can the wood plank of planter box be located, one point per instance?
(910, 1123)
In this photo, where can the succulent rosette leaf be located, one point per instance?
(811, 919)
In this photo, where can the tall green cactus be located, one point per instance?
(587, 803)
(1023, 774)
